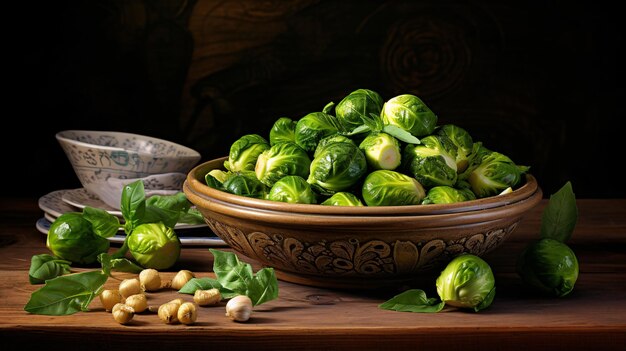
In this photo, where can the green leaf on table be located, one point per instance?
(413, 300)
(110, 263)
(44, 267)
(263, 288)
(67, 294)
(239, 277)
(102, 223)
(560, 215)
(205, 284)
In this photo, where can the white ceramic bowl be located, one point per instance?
(98, 157)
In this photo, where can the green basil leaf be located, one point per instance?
(205, 284)
(192, 216)
(155, 214)
(67, 294)
(110, 263)
(400, 134)
(560, 215)
(133, 205)
(358, 130)
(44, 267)
(103, 223)
(174, 202)
(264, 286)
(239, 278)
(414, 300)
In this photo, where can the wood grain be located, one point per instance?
(308, 318)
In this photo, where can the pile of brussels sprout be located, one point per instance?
(364, 151)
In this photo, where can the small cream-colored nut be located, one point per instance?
(150, 279)
(138, 302)
(239, 308)
(130, 287)
(122, 313)
(109, 298)
(168, 312)
(207, 297)
(187, 313)
(181, 278)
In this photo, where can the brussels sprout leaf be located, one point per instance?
(328, 108)
(238, 277)
(67, 294)
(413, 300)
(44, 267)
(560, 215)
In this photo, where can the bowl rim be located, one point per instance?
(195, 182)
(189, 152)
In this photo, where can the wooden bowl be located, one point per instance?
(357, 247)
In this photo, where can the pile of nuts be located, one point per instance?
(130, 298)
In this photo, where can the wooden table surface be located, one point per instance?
(593, 317)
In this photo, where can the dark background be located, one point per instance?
(541, 81)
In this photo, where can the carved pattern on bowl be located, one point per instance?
(353, 257)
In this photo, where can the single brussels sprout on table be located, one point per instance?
(548, 266)
(313, 127)
(342, 198)
(245, 184)
(356, 105)
(244, 153)
(467, 282)
(444, 194)
(382, 151)
(391, 188)
(494, 174)
(283, 130)
(337, 167)
(410, 113)
(154, 245)
(282, 160)
(71, 238)
(292, 189)
(433, 162)
(463, 142)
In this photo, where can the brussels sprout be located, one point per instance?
(283, 130)
(71, 238)
(244, 153)
(548, 266)
(292, 189)
(245, 184)
(494, 174)
(337, 167)
(282, 160)
(444, 194)
(409, 113)
(391, 188)
(154, 245)
(463, 142)
(433, 162)
(359, 103)
(342, 198)
(382, 151)
(467, 282)
(336, 138)
(311, 128)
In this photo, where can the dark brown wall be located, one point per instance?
(540, 81)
